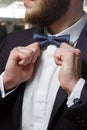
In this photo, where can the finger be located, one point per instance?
(35, 47)
(66, 45)
(19, 56)
(58, 61)
(26, 57)
(58, 56)
(30, 55)
(70, 48)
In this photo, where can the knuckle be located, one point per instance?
(13, 50)
(65, 45)
(16, 49)
(29, 54)
(35, 48)
(78, 52)
(62, 44)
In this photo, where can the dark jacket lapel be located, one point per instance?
(60, 103)
(17, 109)
(61, 95)
(82, 45)
(20, 38)
(27, 38)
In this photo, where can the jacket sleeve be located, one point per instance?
(78, 112)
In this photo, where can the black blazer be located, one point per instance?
(62, 118)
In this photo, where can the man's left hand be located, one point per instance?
(69, 59)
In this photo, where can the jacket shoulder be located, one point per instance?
(15, 39)
(23, 35)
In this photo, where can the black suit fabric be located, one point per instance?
(62, 118)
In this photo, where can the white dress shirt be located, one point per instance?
(40, 92)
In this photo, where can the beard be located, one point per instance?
(46, 12)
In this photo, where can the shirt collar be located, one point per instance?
(74, 30)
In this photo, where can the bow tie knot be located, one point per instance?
(49, 39)
(53, 40)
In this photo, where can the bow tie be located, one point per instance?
(45, 40)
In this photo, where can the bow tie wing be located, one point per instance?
(39, 37)
(42, 39)
(53, 40)
(63, 38)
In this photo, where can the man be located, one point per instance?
(44, 87)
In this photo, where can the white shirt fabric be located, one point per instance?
(40, 93)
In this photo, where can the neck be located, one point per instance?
(73, 14)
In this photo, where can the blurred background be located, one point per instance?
(12, 15)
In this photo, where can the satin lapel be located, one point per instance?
(82, 45)
(60, 99)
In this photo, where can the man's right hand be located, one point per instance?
(20, 65)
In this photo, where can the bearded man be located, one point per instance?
(43, 80)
